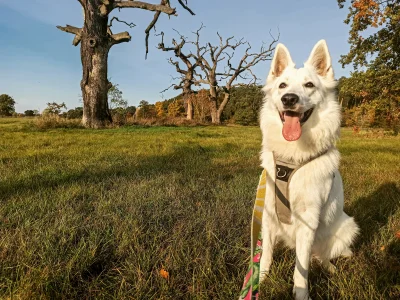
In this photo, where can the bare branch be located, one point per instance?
(162, 8)
(122, 37)
(131, 25)
(176, 87)
(184, 5)
(70, 29)
(74, 30)
(151, 25)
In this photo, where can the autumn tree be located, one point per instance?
(159, 106)
(379, 47)
(175, 109)
(96, 39)
(373, 89)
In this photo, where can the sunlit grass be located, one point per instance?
(98, 213)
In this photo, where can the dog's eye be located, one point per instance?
(282, 85)
(309, 84)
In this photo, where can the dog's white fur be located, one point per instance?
(319, 225)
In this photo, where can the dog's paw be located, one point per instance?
(329, 267)
(347, 253)
(263, 275)
(300, 293)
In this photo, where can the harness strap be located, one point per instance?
(283, 175)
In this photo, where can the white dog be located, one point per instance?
(300, 123)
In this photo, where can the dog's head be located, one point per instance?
(295, 94)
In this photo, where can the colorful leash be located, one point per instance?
(251, 281)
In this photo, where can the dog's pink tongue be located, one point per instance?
(291, 128)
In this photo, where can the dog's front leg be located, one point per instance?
(268, 242)
(305, 235)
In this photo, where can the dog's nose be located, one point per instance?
(289, 99)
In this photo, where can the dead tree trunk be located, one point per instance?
(190, 110)
(96, 40)
(95, 45)
(215, 117)
(187, 91)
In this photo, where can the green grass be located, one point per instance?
(96, 214)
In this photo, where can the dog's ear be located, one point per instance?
(320, 60)
(280, 62)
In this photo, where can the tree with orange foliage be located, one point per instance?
(376, 89)
(175, 109)
(159, 106)
(381, 48)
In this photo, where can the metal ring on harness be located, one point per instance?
(279, 170)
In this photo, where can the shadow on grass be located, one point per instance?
(372, 213)
(100, 272)
(187, 160)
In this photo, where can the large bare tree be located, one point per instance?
(223, 54)
(187, 73)
(96, 39)
(210, 60)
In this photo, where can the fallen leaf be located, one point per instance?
(164, 273)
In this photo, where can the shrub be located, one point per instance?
(51, 121)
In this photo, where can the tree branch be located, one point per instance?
(184, 5)
(131, 25)
(74, 30)
(122, 37)
(81, 2)
(151, 25)
(146, 6)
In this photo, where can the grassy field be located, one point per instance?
(97, 214)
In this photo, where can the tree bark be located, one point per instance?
(95, 45)
(190, 111)
(215, 117)
(187, 92)
(227, 97)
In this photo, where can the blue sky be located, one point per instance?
(39, 64)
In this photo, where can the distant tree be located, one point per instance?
(131, 110)
(245, 105)
(160, 109)
(29, 113)
(54, 108)
(374, 99)
(96, 39)
(75, 113)
(115, 99)
(7, 105)
(145, 110)
(175, 109)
